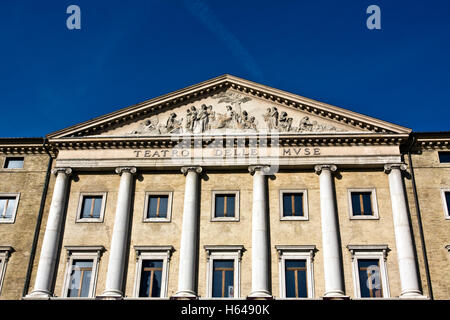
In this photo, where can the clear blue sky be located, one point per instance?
(131, 51)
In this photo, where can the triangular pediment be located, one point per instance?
(228, 104)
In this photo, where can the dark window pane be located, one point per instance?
(225, 205)
(91, 206)
(14, 163)
(7, 206)
(370, 278)
(447, 200)
(157, 206)
(362, 203)
(80, 278)
(151, 277)
(296, 279)
(292, 204)
(223, 278)
(444, 157)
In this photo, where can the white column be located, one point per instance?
(49, 250)
(261, 278)
(189, 235)
(119, 241)
(332, 261)
(403, 238)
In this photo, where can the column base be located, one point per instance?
(413, 295)
(335, 295)
(38, 295)
(110, 295)
(260, 295)
(184, 295)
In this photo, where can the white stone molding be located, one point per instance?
(376, 252)
(261, 278)
(189, 235)
(409, 279)
(224, 252)
(47, 261)
(373, 201)
(305, 205)
(5, 253)
(93, 253)
(334, 283)
(163, 253)
(80, 206)
(296, 252)
(118, 249)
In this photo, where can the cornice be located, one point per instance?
(195, 92)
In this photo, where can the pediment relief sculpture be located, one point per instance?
(204, 119)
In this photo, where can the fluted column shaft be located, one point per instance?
(261, 278)
(409, 279)
(189, 235)
(52, 237)
(333, 273)
(118, 249)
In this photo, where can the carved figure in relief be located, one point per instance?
(173, 125)
(285, 123)
(305, 125)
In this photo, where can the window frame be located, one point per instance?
(373, 252)
(236, 205)
(223, 252)
(79, 219)
(13, 157)
(305, 216)
(439, 157)
(373, 200)
(296, 252)
(444, 203)
(5, 254)
(93, 253)
(13, 217)
(163, 253)
(168, 218)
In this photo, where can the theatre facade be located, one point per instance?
(226, 189)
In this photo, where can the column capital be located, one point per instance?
(388, 167)
(67, 171)
(185, 170)
(120, 170)
(264, 168)
(321, 167)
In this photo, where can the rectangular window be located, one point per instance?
(446, 202)
(80, 278)
(444, 157)
(370, 283)
(14, 163)
(225, 205)
(151, 278)
(223, 279)
(157, 206)
(8, 207)
(92, 206)
(293, 204)
(296, 279)
(152, 271)
(362, 204)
